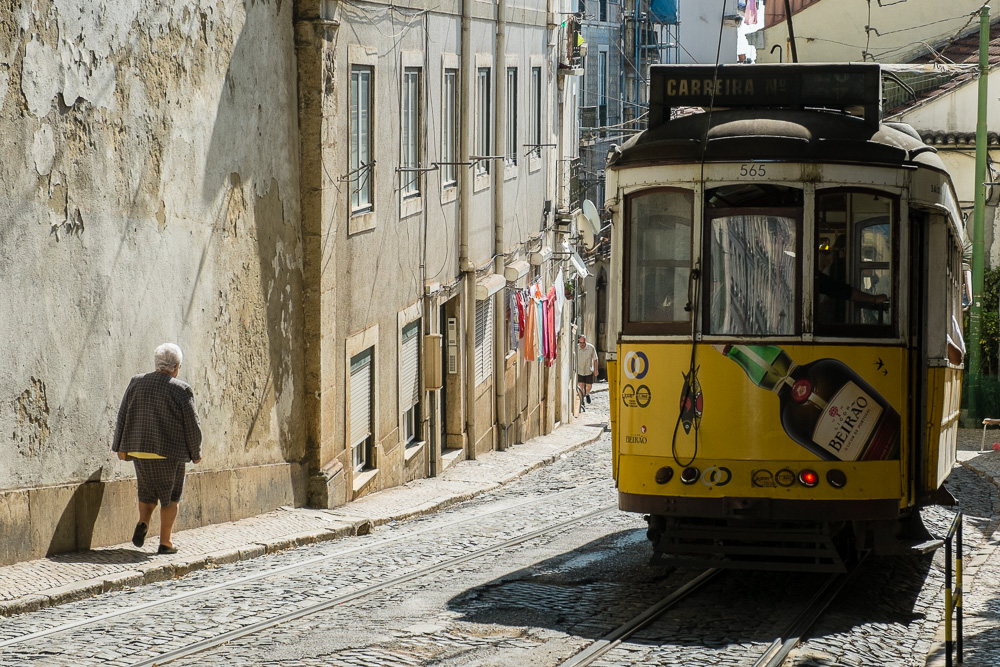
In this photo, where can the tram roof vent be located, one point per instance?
(849, 87)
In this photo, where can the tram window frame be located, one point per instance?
(630, 326)
(793, 212)
(856, 264)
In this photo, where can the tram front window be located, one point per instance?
(659, 264)
(753, 269)
(854, 261)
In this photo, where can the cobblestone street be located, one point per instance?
(506, 578)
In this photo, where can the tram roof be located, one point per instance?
(786, 135)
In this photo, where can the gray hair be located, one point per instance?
(167, 357)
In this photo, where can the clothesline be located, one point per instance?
(535, 317)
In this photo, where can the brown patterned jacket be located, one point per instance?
(157, 416)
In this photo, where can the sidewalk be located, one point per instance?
(32, 585)
(982, 572)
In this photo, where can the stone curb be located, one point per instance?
(161, 571)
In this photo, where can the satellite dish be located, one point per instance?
(588, 223)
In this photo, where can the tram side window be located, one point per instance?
(753, 249)
(659, 263)
(854, 262)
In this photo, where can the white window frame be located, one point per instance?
(449, 128)
(484, 124)
(362, 218)
(362, 139)
(535, 117)
(410, 148)
(510, 153)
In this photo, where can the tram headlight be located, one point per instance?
(808, 478)
(690, 475)
(664, 475)
(836, 478)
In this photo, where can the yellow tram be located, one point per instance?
(786, 281)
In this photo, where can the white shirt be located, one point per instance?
(585, 358)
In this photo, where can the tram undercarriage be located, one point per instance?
(789, 545)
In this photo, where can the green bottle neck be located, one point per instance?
(767, 366)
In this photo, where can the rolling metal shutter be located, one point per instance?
(409, 366)
(361, 397)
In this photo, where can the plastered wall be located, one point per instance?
(148, 193)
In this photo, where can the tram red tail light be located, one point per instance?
(808, 478)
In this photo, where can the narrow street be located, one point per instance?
(530, 574)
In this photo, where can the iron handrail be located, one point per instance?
(953, 596)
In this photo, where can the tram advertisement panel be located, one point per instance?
(761, 402)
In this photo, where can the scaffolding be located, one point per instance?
(649, 36)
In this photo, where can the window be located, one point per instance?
(409, 381)
(602, 90)
(752, 285)
(511, 152)
(410, 153)
(854, 261)
(449, 125)
(484, 339)
(360, 424)
(535, 120)
(658, 248)
(604, 10)
(361, 139)
(483, 128)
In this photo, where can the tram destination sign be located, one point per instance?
(774, 86)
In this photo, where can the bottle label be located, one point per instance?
(847, 423)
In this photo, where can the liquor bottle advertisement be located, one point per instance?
(760, 401)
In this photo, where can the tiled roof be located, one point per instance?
(957, 139)
(960, 51)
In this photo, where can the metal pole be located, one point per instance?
(976, 309)
(791, 32)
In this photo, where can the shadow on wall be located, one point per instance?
(75, 528)
(253, 150)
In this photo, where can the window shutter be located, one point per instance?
(361, 400)
(484, 339)
(409, 367)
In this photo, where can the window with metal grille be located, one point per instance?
(410, 135)
(484, 339)
(360, 409)
(409, 380)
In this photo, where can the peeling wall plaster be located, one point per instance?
(123, 123)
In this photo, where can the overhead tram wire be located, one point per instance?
(694, 280)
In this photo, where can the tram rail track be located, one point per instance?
(212, 642)
(774, 655)
(317, 560)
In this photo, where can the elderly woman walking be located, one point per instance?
(158, 430)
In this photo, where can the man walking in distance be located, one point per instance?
(158, 430)
(586, 366)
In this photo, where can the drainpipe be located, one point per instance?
(467, 121)
(499, 341)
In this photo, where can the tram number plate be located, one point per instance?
(752, 170)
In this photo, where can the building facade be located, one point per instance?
(327, 205)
